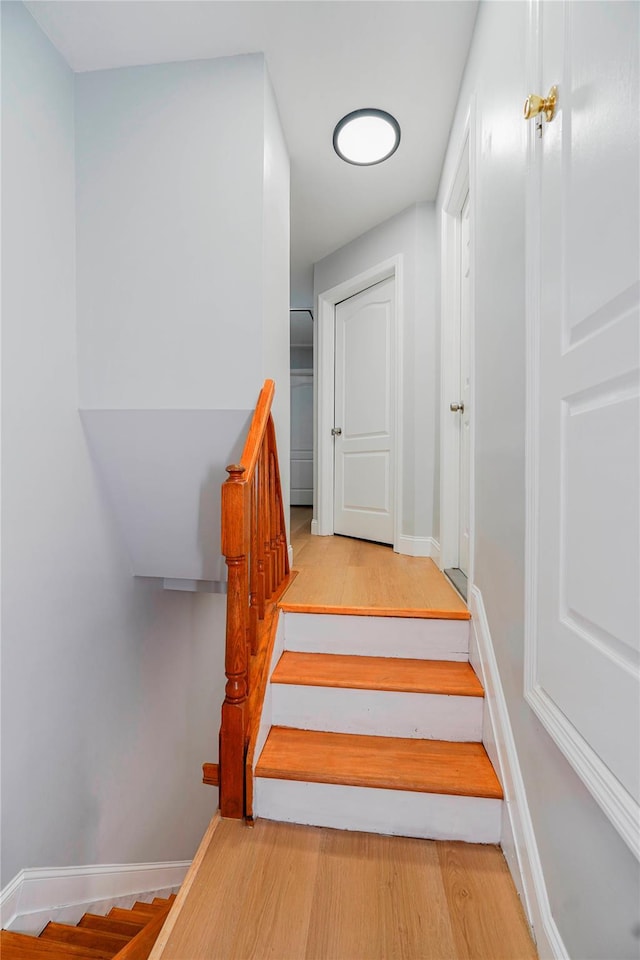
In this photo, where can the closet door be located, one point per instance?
(583, 632)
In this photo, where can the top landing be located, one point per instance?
(339, 575)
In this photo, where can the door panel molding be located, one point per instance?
(324, 353)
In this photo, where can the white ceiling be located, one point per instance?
(325, 57)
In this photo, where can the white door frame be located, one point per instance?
(324, 356)
(461, 183)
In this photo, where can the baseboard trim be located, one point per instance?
(418, 547)
(314, 528)
(518, 840)
(36, 893)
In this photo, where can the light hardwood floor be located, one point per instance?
(343, 575)
(290, 892)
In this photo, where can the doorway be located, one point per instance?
(363, 432)
(358, 406)
(457, 381)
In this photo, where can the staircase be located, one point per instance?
(376, 725)
(121, 935)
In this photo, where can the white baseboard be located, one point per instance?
(290, 552)
(418, 547)
(35, 895)
(314, 528)
(518, 839)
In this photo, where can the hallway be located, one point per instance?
(292, 892)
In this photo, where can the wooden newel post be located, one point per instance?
(234, 709)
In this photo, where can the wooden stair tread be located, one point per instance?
(85, 937)
(164, 901)
(423, 766)
(444, 677)
(150, 908)
(127, 928)
(141, 917)
(373, 610)
(19, 946)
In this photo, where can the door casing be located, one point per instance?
(324, 354)
(462, 183)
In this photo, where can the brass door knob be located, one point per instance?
(534, 105)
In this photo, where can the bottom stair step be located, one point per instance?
(423, 788)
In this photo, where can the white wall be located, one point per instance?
(170, 234)
(591, 876)
(183, 290)
(111, 688)
(275, 252)
(412, 234)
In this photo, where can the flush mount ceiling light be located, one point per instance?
(365, 137)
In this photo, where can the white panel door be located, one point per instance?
(583, 675)
(301, 439)
(465, 389)
(364, 414)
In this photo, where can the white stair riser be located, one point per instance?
(402, 813)
(381, 713)
(407, 637)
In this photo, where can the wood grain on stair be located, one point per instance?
(424, 766)
(94, 921)
(17, 946)
(152, 908)
(85, 937)
(344, 575)
(138, 916)
(444, 677)
(140, 947)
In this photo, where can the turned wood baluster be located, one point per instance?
(253, 566)
(261, 575)
(273, 529)
(283, 555)
(234, 709)
(271, 585)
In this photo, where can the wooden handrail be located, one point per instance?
(255, 548)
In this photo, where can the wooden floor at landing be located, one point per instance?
(290, 892)
(342, 575)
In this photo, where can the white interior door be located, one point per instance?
(364, 414)
(301, 439)
(464, 491)
(583, 676)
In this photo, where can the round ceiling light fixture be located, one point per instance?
(365, 137)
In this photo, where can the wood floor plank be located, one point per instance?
(421, 591)
(378, 898)
(377, 673)
(426, 766)
(352, 896)
(279, 894)
(207, 924)
(487, 918)
(344, 575)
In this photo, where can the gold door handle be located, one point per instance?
(534, 105)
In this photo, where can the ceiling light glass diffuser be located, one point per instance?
(365, 137)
